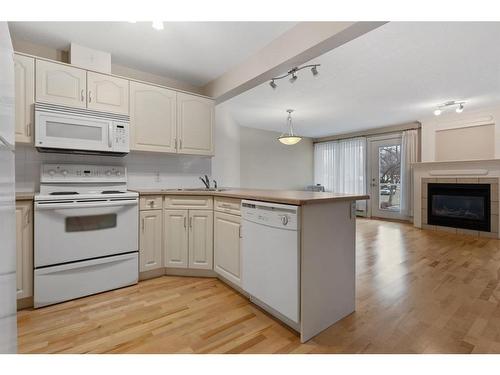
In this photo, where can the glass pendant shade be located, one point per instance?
(289, 138)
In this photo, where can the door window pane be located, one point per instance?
(389, 177)
(89, 223)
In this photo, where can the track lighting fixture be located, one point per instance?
(292, 73)
(450, 104)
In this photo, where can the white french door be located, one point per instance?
(385, 177)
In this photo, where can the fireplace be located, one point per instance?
(459, 205)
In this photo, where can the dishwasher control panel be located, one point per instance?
(271, 214)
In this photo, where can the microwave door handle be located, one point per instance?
(110, 132)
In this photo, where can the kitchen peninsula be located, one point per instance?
(326, 243)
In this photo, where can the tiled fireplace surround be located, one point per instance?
(466, 172)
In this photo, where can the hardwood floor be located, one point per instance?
(417, 292)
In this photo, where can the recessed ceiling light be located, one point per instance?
(437, 112)
(273, 84)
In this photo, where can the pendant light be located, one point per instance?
(289, 138)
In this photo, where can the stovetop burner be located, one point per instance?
(112, 192)
(64, 193)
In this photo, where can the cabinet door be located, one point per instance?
(175, 234)
(107, 93)
(24, 249)
(25, 97)
(201, 228)
(195, 116)
(227, 256)
(60, 84)
(152, 118)
(150, 240)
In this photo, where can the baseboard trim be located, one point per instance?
(152, 274)
(24, 303)
(189, 272)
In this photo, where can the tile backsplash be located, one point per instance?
(145, 170)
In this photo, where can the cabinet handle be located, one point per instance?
(184, 222)
(90, 96)
(82, 92)
(239, 231)
(190, 222)
(27, 219)
(226, 205)
(28, 129)
(142, 225)
(175, 143)
(180, 144)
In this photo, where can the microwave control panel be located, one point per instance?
(120, 137)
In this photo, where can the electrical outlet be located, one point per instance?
(157, 174)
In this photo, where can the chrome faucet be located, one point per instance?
(205, 181)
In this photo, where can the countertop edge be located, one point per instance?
(256, 197)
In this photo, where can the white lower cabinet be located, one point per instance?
(150, 240)
(188, 238)
(227, 256)
(24, 248)
(176, 238)
(201, 228)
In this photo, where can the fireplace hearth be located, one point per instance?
(459, 205)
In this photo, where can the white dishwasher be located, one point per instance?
(271, 257)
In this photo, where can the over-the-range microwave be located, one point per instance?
(79, 130)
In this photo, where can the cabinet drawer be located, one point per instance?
(188, 202)
(227, 205)
(151, 202)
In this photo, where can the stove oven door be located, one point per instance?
(69, 231)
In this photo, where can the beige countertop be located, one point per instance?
(276, 196)
(24, 195)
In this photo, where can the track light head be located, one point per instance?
(273, 84)
(460, 108)
(293, 78)
(314, 70)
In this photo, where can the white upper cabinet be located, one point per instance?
(195, 124)
(107, 93)
(201, 228)
(152, 118)
(61, 84)
(25, 97)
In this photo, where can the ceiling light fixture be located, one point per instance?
(450, 104)
(289, 138)
(292, 72)
(157, 25)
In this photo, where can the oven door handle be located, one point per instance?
(73, 205)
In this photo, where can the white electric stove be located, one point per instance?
(86, 232)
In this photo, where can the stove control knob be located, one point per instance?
(64, 172)
(284, 220)
(118, 173)
(51, 172)
(108, 173)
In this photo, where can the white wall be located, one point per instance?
(226, 162)
(268, 164)
(466, 119)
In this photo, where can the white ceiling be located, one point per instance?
(194, 52)
(392, 75)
